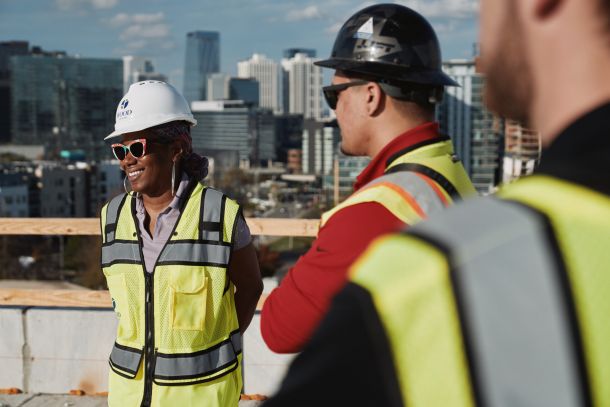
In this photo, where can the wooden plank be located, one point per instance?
(56, 298)
(66, 298)
(91, 226)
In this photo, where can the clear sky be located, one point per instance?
(157, 28)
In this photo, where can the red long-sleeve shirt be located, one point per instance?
(293, 310)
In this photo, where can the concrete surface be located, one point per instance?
(263, 369)
(11, 348)
(72, 354)
(57, 400)
(53, 351)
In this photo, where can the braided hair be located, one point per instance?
(195, 165)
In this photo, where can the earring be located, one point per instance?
(125, 184)
(173, 178)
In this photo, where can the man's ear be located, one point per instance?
(374, 98)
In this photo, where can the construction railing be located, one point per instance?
(91, 227)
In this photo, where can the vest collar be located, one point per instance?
(399, 146)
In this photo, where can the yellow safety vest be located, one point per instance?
(178, 340)
(420, 181)
(500, 302)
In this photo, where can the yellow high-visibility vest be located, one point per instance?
(178, 340)
(499, 302)
(417, 183)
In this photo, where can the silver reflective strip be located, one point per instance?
(112, 213)
(121, 251)
(172, 367)
(211, 212)
(425, 196)
(128, 360)
(110, 236)
(195, 253)
(236, 341)
(512, 303)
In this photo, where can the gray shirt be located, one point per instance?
(152, 245)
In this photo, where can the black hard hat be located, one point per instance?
(389, 42)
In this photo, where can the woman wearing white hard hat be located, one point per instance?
(179, 263)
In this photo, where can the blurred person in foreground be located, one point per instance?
(179, 263)
(498, 301)
(387, 82)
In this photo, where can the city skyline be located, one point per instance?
(157, 29)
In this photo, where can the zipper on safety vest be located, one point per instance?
(149, 340)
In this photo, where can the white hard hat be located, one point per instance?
(148, 104)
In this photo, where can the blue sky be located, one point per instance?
(157, 28)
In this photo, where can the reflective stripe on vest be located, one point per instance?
(212, 207)
(198, 364)
(438, 166)
(509, 299)
(114, 206)
(125, 252)
(196, 253)
(126, 359)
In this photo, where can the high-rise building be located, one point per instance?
(202, 59)
(320, 141)
(474, 130)
(232, 126)
(289, 135)
(64, 103)
(267, 72)
(304, 83)
(132, 66)
(223, 87)
(7, 50)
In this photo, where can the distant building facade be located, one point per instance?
(234, 126)
(320, 141)
(304, 86)
(64, 103)
(14, 195)
(202, 59)
(267, 72)
(7, 50)
(475, 132)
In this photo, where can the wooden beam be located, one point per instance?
(91, 226)
(65, 298)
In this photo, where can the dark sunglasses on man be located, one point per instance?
(331, 92)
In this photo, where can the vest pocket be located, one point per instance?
(118, 292)
(188, 299)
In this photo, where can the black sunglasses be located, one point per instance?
(331, 93)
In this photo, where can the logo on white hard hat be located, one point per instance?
(124, 103)
(123, 112)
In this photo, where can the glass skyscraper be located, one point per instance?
(65, 103)
(202, 59)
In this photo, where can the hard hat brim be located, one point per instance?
(389, 71)
(118, 133)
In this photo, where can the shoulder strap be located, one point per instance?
(112, 214)
(212, 215)
(430, 173)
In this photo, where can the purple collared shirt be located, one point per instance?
(152, 245)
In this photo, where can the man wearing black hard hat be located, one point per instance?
(387, 80)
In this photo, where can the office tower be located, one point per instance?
(320, 141)
(474, 130)
(218, 86)
(202, 58)
(235, 128)
(132, 66)
(289, 135)
(267, 73)
(245, 89)
(7, 50)
(304, 81)
(65, 103)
